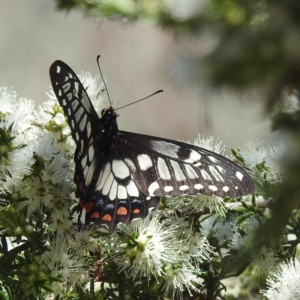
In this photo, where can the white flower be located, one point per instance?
(284, 283)
(210, 144)
(59, 119)
(199, 248)
(152, 246)
(213, 203)
(62, 261)
(179, 277)
(264, 159)
(221, 229)
(16, 136)
(96, 91)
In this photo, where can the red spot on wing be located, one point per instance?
(122, 211)
(88, 206)
(95, 215)
(107, 218)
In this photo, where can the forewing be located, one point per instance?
(82, 119)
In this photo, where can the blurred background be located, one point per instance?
(136, 59)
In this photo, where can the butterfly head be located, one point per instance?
(109, 124)
(108, 114)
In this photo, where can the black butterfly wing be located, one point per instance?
(82, 118)
(163, 167)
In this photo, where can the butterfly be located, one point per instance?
(121, 175)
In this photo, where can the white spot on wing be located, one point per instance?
(79, 113)
(168, 188)
(82, 123)
(221, 170)
(108, 183)
(132, 189)
(179, 175)
(122, 192)
(215, 173)
(152, 188)
(163, 170)
(75, 104)
(183, 188)
(165, 148)
(91, 153)
(205, 175)
(225, 189)
(194, 157)
(239, 175)
(89, 176)
(82, 146)
(83, 162)
(213, 188)
(191, 172)
(212, 158)
(103, 176)
(120, 169)
(88, 129)
(198, 186)
(144, 161)
(113, 190)
(130, 164)
(66, 86)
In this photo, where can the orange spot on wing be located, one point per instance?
(88, 206)
(95, 215)
(107, 218)
(122, 211)
(136, 211)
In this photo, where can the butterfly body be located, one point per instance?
(120, 175)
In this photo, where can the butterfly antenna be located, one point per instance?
(98, 58)
(160, 91)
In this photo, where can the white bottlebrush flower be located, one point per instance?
(179, 277)
(96, 90)
(284, 283)
(245, 240)
(212, 203)
(82, 241)
(210, 144)
(45, 113)
(60, 215)
(263, 261)
(221, 229)
(152, 245)
(62, 261)
(50, 117)
(197, 203)
(255, 153)
(16, 138)
(198, 247)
